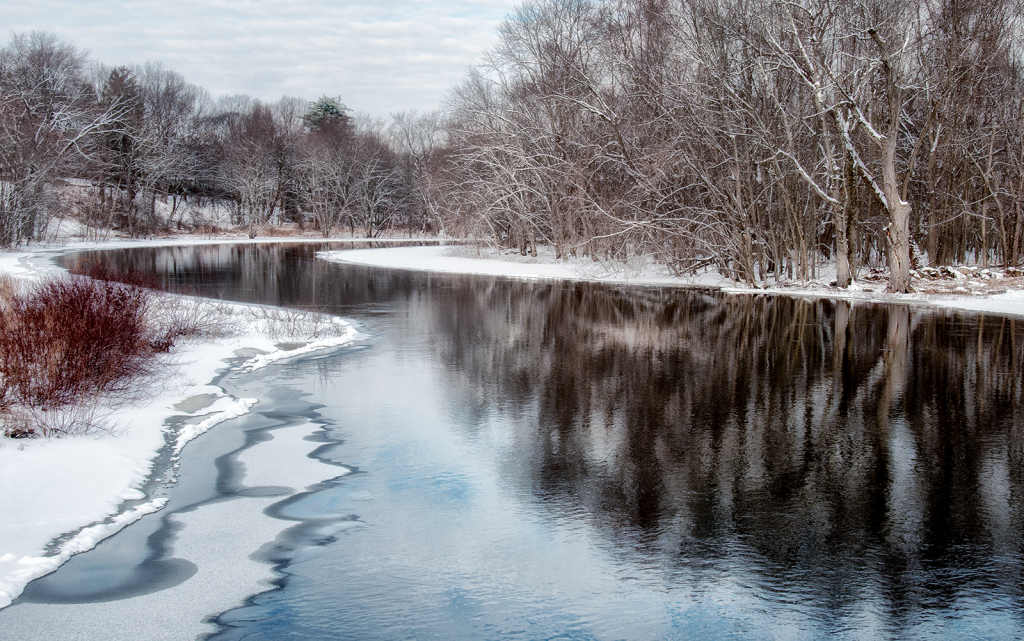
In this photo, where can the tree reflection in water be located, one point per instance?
(835, 448)
(824, 451)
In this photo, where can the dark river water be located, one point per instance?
(557, 460)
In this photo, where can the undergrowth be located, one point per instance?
(67, 341)
(292, 323)
(92, 339)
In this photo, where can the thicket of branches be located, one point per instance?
(755, 135)
(133, 136)
(71, 341)
(759, 137)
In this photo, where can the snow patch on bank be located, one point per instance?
(262, 360)
(12, 263)
(461, 259)
(1010, 303)
(464, 260)
(21, 570)
(190, 432)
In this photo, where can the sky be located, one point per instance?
(379, 57)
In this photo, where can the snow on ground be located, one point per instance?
(11, 263)
(227, 570)
(990, 293)
(464, 259)
(61, 496)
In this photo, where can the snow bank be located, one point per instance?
(11, 263)
(462, 260)
(27, 568)
(191, 432)
(1009, 303)
(1004, 304)
(61, 496)
(262, 360)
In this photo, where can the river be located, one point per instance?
(510, 459)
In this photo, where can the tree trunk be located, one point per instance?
(984, 235)
(842, 248)
(898, 231)
(852, 205)
(898, 235)
(1018, 227)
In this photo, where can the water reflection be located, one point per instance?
(843, 449)
(855, 464)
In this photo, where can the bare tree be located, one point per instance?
(151, 151)
(418, 139)
(250, 170)
(378, 193)
(49, 122)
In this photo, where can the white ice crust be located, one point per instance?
(62, 496)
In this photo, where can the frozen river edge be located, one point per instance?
(1007, 301)
(63, 496)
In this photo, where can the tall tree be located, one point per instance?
(49, 125)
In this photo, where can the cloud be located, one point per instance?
(380, 57)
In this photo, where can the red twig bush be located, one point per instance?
(71, 340)
(73, 337)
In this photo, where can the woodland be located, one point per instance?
(765, 139)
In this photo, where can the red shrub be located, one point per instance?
(73, 337)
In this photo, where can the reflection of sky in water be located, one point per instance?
(541, 460)
(452, 547)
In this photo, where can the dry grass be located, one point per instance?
(293, 324)
(8, 288)
(282, 231)
(87, 416)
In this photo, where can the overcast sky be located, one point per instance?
(380, 57)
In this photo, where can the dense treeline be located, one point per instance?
(754, 135)
(758, 137)
(136, 136)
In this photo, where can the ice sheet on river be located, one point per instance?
(218, 539)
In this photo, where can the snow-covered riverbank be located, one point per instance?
(61, 496)
(990, 293)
